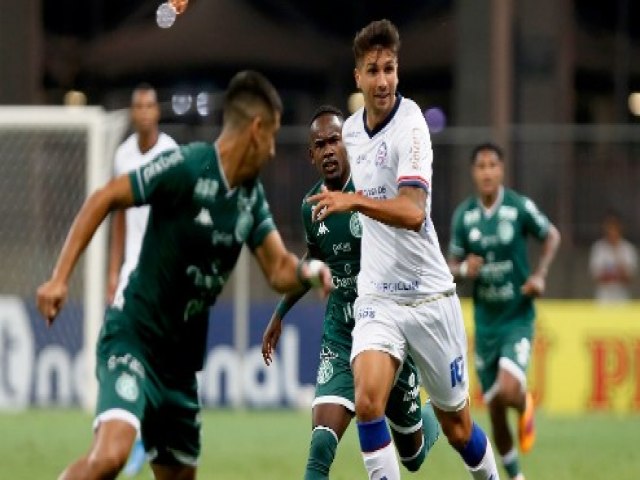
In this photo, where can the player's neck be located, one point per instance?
(231, 151)
(147, 140)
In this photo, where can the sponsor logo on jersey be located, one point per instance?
(366, 312)
(474, 234)
(221, 238)
(322, 229)
(416, 148)
(505, 212)
(379, 192)
(162, 163)
(355, 226)
(128, 361)
(392, 287)
(347, 268)
(204, 218)
(344, 247)
(127, 387)
(471, 217)
(381, 156)
(344, 282)
(505, 231)
(361, 159)
(206, 189)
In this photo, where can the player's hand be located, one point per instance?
(318, 274)
(327, 202)
(270, 338)
(534, 286)
(50, 298)
(474, 264)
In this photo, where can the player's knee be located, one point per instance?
(414, 462)
(107, 463)
(457, 432)
(369, 406)
(509, 395)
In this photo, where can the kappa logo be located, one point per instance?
(322, 229)
(204, 218)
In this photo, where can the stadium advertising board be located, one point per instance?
(585, 358)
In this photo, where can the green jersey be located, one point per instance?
(336, 241)
(196, 228)
(500, 238)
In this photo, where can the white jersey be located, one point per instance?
(608, 260)
(398, 262)
(128, 157)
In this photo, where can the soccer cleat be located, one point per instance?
(526, 426)
(136, 460)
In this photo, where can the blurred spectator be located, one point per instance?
(613, 262)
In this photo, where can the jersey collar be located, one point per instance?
(488, 212)
(385, 122)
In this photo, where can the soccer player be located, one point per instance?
(406, 302)
(336, 241)
(127, 227)
(206, 202)
(489, 247)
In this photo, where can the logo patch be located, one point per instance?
(505, 231)
(325, 371)
(355, 227)
(381, 156)
(127, 387)
(204, 218)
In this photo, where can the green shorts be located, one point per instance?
(507, 348)
(334, 384)
(131, 388)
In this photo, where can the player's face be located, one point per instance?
(264, 139)
(377, 77)
(145, 112)
(487, 172)
(327, 151)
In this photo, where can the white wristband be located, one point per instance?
(463, 269)
(314, 268)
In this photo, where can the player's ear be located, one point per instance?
(356, 75)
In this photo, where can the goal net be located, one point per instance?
(50, 159)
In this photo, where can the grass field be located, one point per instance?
(272, 445)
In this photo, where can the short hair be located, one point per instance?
(380, 34)
(246, 91)
(490, 146)
(326, 110)
(143, 87)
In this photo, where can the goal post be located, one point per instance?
(51, 158)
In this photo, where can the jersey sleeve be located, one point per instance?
(166, 179)
(457, 244)
(118, 166)
(536, 223)
(306, 212)
(415, 156)
(263, 223)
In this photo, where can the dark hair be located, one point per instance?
(326, 110)
(248, 89)
(492, 147)
(143, 87)
(378, 34)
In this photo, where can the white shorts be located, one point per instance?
(432, 332)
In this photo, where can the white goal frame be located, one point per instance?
(104, 131)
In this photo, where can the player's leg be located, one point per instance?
(109, 450)
(438, 345)
(414, 429)
(121, 403)
(377, 347)
(333, 408)
(330, 421)
(171, 429)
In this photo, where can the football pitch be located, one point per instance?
(272, 445)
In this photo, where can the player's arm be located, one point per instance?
(468, 267)
(407, 210)
(535, 284)
(285, 272)
(116, 194)
(273, 330)
(116, 252)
